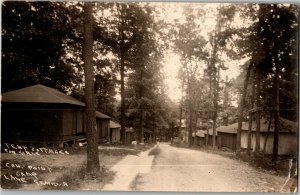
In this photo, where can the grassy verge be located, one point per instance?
(69, 169)
(78, 179)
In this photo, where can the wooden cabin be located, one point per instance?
(287, 136)
(227, 136)
(200, 137)
(208, 134)
(130, 135)
(115, 134)
(40, 114)
(103, 127)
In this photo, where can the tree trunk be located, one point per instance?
(206, 138)
(122, 74)
(257, 110)
(190, 121)
(141, 122)
(250, 121)
(181, 106)
(268, 132)
(172, 133)
(155, 135)
(216, 97)
(276, 119)
(226, 102)
(122, 117)
(91, 127)
(215, 112)
(241, 108)
(195, 131)
(249, 135)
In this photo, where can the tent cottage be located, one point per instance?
(115, 134)
(39, 114)
(208, 135)
(227, 135)
(287, 136)
(102, 121)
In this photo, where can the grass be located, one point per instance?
(78, 178)
(11, 176)
(74, 175)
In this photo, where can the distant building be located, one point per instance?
(130, 135)
(287, 136)
(115, 129)
(102, 121)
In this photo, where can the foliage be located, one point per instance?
(34, 37)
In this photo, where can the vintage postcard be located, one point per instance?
(149, 96)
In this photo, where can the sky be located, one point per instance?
(171, 62)
(171, 66)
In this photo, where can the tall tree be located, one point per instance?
(279, 22)
(91, 127)
(221, 33)
(271, 44)
(190, 47)
(242, 105)
(35, 35)
(122, 34)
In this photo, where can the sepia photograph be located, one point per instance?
(149, 96)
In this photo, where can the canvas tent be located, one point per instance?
(288, 140)
(227, 135)
(208, 134)
(115, 134)
(287, 136)
(103, 127)
(40, 114)
(130, 134)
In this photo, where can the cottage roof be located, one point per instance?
(129, 130)
(101, 115)
(232, 128)
(114, 125)
(199, 133)
(39, 94)
(210, 132)
(284, 126)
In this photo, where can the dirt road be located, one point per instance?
(179, 169)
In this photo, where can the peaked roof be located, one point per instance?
(199, 133)
(285, 125)
(114, 125)
(39, 94)
(210, 132)
(232, 128)
(101, 115)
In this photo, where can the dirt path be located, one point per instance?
(179, 169)
(128, 169)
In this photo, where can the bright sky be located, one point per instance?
(171, 66)
(171, 62)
